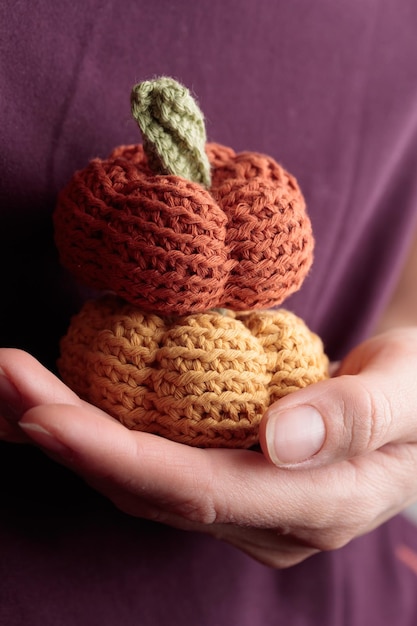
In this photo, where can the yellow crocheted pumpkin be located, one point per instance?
(204, 379)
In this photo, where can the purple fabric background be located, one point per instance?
(330, 90)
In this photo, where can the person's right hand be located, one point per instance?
(334, 481)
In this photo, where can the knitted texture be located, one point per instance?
(167, 245)
(172, 127)
(191, 239)
(204, 379)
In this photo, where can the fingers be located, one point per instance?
(221, 492)
(25, 383)
(370, 403)
(159, 480)
(124, 464)
(278, 517)
(192, 488)
(201, 486)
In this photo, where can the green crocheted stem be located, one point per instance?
(173, 130)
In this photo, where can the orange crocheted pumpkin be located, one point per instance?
(169, 245)
(204, 379)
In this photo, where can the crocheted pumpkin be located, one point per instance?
(189, 237)
(203, 379)
(170, 245)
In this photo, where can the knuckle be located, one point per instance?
(198, 502)
(368, 418)
(197, 510)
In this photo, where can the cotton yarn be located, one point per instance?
(193, 244)
(168, 245)
(173, 129)
(204, 379)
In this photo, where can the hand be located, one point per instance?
(363, 472)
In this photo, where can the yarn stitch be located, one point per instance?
(173, 129)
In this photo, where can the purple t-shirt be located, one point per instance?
(328, 89)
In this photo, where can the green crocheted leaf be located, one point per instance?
(173, 130)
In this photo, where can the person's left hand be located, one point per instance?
(360, 468)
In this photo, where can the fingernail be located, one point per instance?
(11, 405)
(44, 438)
(294, 435)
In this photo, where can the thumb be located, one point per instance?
(370, 402)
